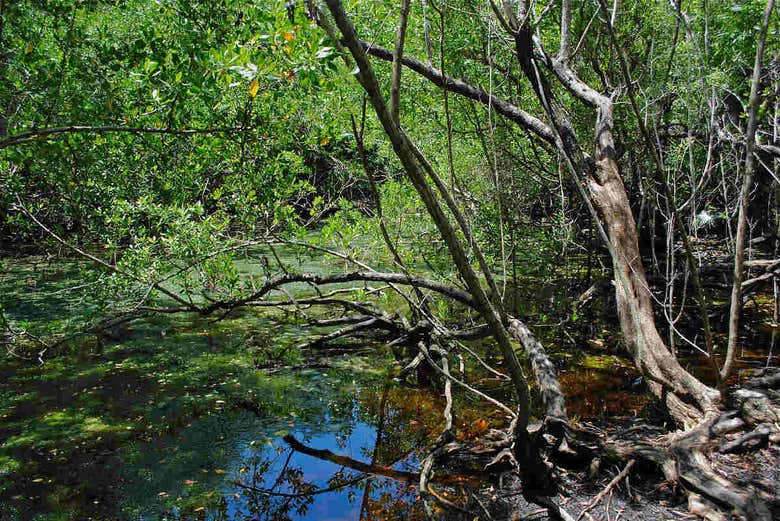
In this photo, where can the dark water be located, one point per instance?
(176, 418)
(196, 471)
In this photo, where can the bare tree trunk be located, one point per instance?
(666, 377)
(538, 481)
(744, 198)
(686, 397)
(676, 218)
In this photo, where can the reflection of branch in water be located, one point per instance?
(345, 461)
(379, 432)
(280, 477)
(270, 491)
(375, 470)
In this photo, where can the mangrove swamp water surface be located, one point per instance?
(119, 445)
(175, 417)
(185, 418)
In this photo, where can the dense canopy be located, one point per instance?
(503, 208)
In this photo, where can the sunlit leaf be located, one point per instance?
(324, 52)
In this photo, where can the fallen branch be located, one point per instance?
(364, 276)
(612, 484)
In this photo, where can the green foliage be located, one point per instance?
(167, 65)
(211, 132)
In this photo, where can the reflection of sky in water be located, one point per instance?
(335, 505)
(239, 443)
(331, 505)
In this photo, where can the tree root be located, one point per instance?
(687, 459)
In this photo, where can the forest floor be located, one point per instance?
(644, 495)
(641, 495)
(633, 499)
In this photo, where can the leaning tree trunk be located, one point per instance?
(686, 397)
(666, 377)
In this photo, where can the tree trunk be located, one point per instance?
(666, 377)
(744, 199)
(686, 397)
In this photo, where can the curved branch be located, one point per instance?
(356, 276)
(457, 86)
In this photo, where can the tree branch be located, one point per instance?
(457, 86)
(29, 135)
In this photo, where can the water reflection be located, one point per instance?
(173, 421)
(366, 471)
(351, 454)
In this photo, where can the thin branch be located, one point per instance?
(395, 81)
(623, 473)
(744, 200)
(457, 86)
(29, 135)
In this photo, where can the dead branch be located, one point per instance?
(622, 474)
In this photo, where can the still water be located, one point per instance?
(179, 418)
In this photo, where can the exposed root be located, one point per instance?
(693, 460)
(685, 458)
(748, 441)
